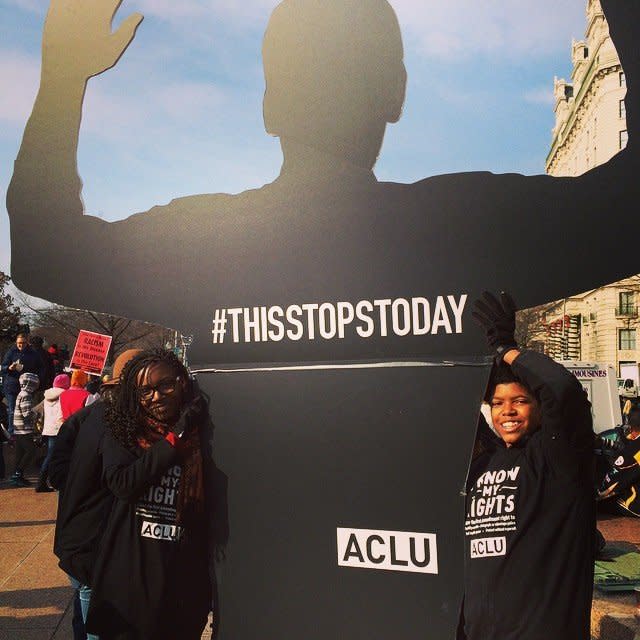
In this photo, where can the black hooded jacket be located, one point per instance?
(530, 520)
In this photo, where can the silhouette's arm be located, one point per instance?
(44, 198)
(544, 238)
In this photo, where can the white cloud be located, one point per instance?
(462, 97)
(112, 116)
(150, 112)
(540, 95)
(32, 6)
(169, 9)
(248, 13)
(464, 29)
(189, 100)
(20, 75)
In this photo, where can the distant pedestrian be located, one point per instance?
(93, 387)
(73, 399)
(19, 359)
(47, 372)
(52, 422)
(24, 428)
(58, 364)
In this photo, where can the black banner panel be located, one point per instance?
(344, 499)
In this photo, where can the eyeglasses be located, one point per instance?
(164, 388)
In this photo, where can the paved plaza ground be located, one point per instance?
(35, 596)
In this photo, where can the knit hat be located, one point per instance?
(29, 382)
(79, 378)
(61, 381)
(119, 364)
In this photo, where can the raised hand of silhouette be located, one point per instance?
(79, 39)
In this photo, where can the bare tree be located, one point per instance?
(10, 314)
(531, 328)
(62, 325)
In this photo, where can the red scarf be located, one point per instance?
(191, 490)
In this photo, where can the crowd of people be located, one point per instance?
(29, 374)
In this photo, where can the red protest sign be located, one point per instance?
(90, 352)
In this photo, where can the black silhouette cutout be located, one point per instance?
(325, 229)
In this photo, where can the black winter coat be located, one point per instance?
(151, 573)
(31, 363)
(530, 524)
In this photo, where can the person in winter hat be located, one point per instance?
(74, 398)
(24, 427)
(47, 372)
(52, 422)
(58, 364)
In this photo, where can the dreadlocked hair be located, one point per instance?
(123, 411)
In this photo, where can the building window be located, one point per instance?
(624, 136)
(622, 79)
(622, 110)
(627, 303)
(626, 339)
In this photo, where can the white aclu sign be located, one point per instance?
(388, 550)
(484, 547)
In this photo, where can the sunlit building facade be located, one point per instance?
(590, 118)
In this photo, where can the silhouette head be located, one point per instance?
(334, 75)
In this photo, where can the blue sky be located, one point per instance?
(181, 113)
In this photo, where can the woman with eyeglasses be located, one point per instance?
(152, 577)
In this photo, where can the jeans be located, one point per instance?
(51, 440)
(11, 407)
(84, 592)
(77, 623)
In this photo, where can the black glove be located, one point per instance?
(498, 317)
(193, 413)
(609, 446)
